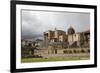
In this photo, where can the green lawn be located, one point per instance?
(28, 60)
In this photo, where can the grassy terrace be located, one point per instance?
(29, 60)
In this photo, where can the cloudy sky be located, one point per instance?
(34, 23)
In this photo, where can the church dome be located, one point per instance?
(71, 30)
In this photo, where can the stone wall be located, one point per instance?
(62, 52)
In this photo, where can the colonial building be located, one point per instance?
(71, 39)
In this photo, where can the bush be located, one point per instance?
(82, 51)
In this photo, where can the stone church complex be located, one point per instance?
(59, 43)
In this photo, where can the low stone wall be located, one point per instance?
(67, 55)
(69, 52)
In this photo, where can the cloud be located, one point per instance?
(34, 23)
